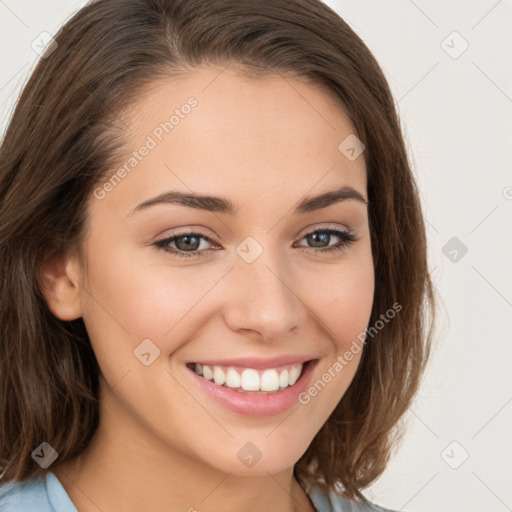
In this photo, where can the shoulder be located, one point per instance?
(29, 496)
(333, 502)
(38, 494)
(345, 505)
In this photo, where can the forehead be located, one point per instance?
(243, 136)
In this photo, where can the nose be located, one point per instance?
(263, 298)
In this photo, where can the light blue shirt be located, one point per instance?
(46, 494)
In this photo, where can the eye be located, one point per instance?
(187, 244)
(320, 236)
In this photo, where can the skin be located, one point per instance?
(265, 144)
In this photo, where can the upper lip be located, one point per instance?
(257, 363)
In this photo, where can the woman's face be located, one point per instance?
(253, 283)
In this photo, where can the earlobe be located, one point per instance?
(58, 281)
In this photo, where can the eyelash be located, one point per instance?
(347, 239)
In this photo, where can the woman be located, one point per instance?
(215, 270)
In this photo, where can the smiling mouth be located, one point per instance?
(251, 380)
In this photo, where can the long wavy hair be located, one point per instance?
(64, 137)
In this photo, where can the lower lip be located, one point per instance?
(258, 405)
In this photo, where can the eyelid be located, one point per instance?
(315, 227)
(197, 230)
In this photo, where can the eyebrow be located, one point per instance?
(223, 205)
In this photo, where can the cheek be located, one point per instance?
(131, 298)
(342, 301)
(134, 289)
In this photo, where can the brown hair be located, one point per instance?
(65, 135)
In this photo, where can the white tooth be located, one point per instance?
(250, 380)
(199, 369)
(207, 373)
(283, 379)
(218, 375)
(294, 374)
(269, 380)
(232, 378)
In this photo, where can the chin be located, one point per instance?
(256, 458)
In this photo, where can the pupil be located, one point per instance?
(187, 243)
(316, 236)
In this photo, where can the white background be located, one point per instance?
(457, 117)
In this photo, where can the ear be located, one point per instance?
(57, 277)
